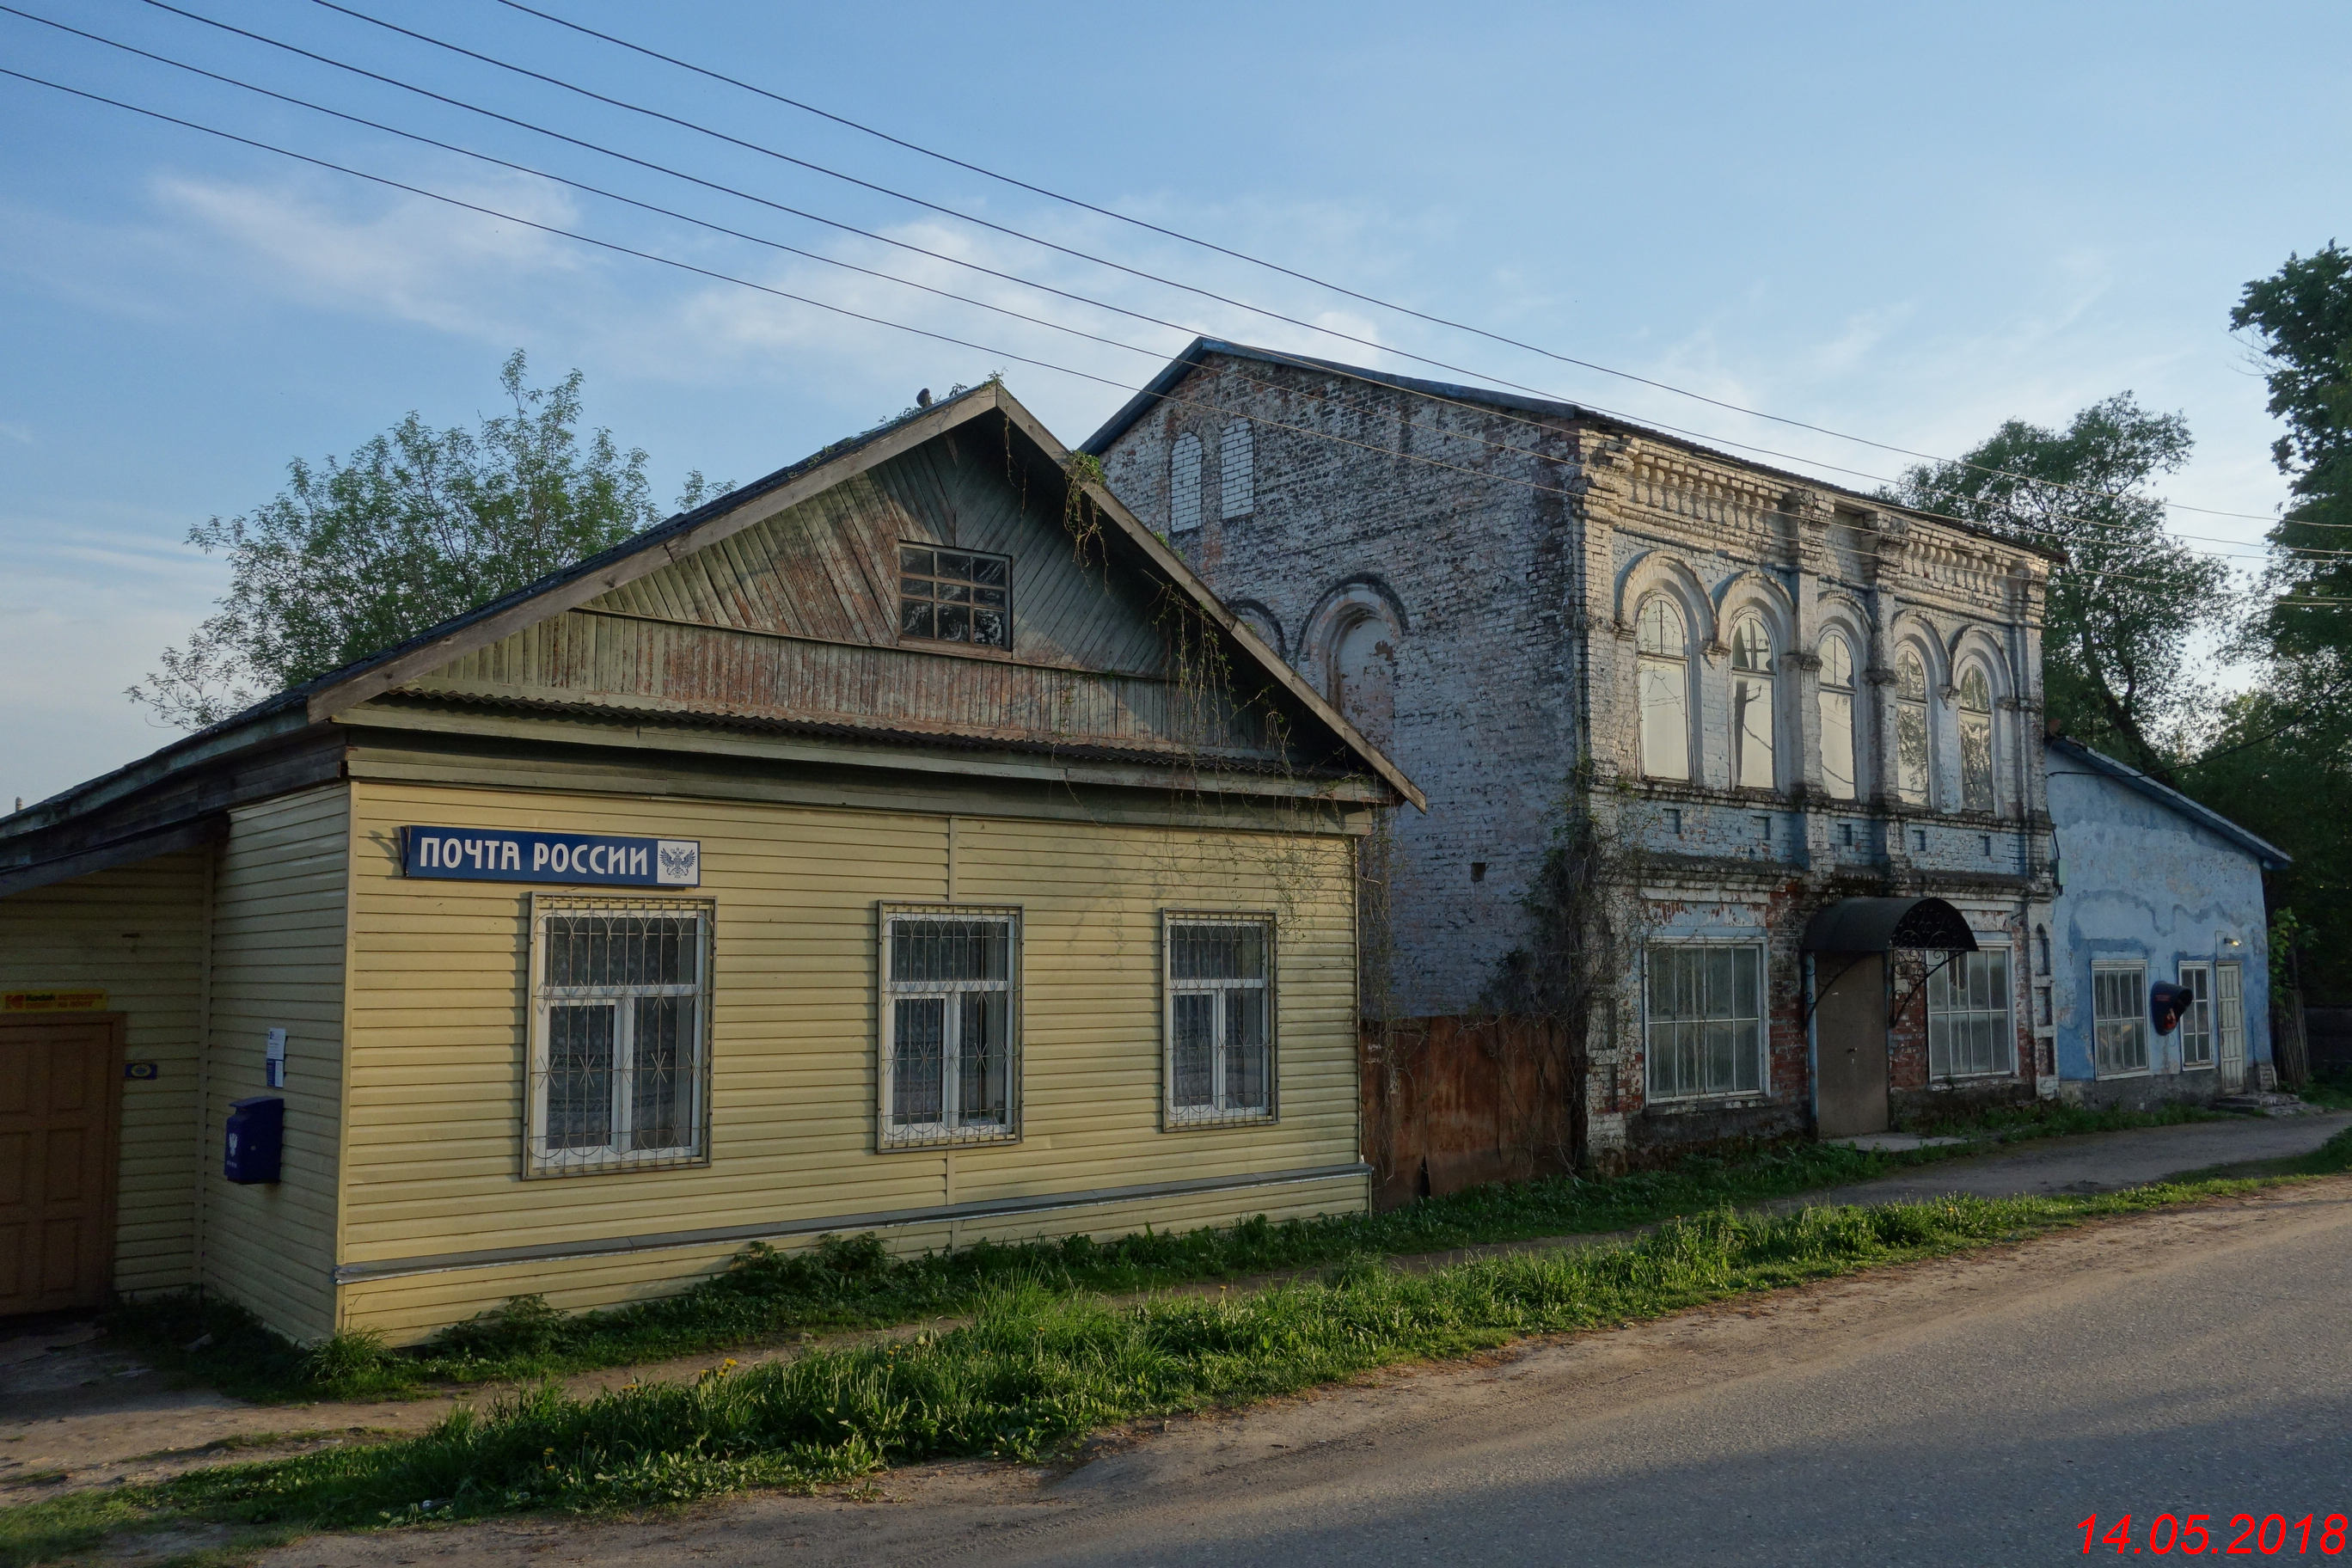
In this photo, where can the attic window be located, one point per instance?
(955, 595)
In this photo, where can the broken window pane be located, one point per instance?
(955, 595)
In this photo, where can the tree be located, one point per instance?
(2302, 319)
(418, 525)
(2125, 608)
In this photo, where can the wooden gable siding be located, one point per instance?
(795, 618)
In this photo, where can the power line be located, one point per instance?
(1208, 294)
(2013, 525)
(1321, 366)
(820, 304)
(1276, 267)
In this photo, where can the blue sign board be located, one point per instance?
(576, 860)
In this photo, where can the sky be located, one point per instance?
(1900, 223)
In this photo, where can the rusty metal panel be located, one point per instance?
(1452, 1102)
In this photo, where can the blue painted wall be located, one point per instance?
(2140, 880)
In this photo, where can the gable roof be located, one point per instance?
(319, 699)
(1162, 387)
(2272, 856)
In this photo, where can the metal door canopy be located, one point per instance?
(1885, 925)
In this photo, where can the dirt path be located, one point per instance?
(85, 1415)
(1967, 1409)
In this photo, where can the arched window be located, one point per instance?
(1363, 676)
(1911, 747)
(1975, 740)
(1237, 462)
(1837, 718)
(1751, 703)
(1184, 484)
(1662, 665)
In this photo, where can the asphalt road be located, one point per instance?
(1967, 1411)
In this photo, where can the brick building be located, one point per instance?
(1803, 724)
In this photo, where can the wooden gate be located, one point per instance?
(60, 1119)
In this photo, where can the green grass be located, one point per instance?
(1036, 1368)
(2333, 1091)
(850, 1283)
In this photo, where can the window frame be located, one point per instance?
(1941, 980)
(1187, 1118)
(2205, 1002)
(947, 1133)
(1924, 706)
(1829, 691)
(1743, 677)
(972, 603)
(1674, 666)
(1760, 1049)
(2137, 970)
(539, 997)
(1968, 720)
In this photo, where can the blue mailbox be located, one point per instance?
(257, 1136)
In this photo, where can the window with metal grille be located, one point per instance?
(1971, 1031)
(955, 595)
(1220, 1023)
(1704, 1019)
(2197, 1020)
(620, 1031)
(951, 1068)
(2119, 1017)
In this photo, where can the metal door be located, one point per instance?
(1850, 1047)
(61, 1099)
(2230, 1017)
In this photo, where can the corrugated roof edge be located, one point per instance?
(1159, 386)
(38, 814)
(2274, 858)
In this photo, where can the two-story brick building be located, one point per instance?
(1774, 700)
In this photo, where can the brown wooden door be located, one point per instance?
(60, 1100)
(1850, 1047)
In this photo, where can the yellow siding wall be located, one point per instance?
(278, 963)
(137, 933)
(438, 1044)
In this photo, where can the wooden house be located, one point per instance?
(905, 843)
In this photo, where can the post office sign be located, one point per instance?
(572, 859)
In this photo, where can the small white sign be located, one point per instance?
(273, 1059)
(677, 863)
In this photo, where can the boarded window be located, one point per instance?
(950, 1018)
(1976, 741)
(1220, 1023)
(1237, 470)
(620, 1016)
(1751, 704)
(2119, 1017)
(2197, 1019)
(1184, 484)
(1705, 1020)
(955, 595)
(1971, 1031)
(1662, 670)
(1837, 718)
(1912, 752)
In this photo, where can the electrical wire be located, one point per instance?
(2307, 551)
(1209, 294)
(669, 212)
(691, 268)
(1278, 268)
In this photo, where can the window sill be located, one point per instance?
(1737, 1099)
(915, 1139)
(1210, 1121)
(614, 1164)
(2099, 1077)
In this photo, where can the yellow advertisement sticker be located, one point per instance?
(52, 1001)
